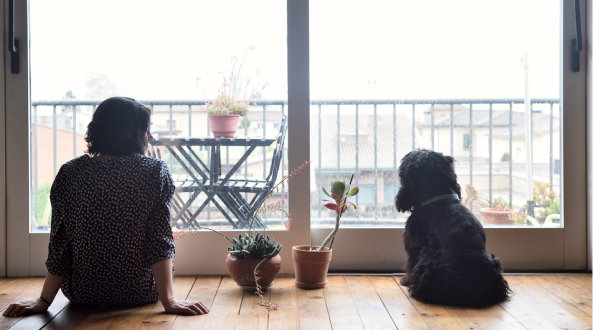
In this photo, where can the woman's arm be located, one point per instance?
(50, 288)
(163, 276)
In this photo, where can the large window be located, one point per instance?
(365, 85)
(450, 76)
(174, 58)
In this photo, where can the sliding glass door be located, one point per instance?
(360, 87)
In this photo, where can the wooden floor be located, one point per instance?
(348, 302)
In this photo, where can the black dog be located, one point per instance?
(447, 259)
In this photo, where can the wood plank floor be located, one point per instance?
(347, 302)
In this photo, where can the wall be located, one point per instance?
(64, 152)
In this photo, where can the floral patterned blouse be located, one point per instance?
(109, 224)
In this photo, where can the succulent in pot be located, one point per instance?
(249, 253)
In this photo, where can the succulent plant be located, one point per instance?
(225, 104)
(254, 247)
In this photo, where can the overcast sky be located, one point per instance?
(359, 49)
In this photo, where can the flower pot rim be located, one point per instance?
(260, 259)
(493, 210)
(305, 248)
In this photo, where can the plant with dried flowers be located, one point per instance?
(235, 93)
(258, 246)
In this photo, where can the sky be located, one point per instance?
(155, 50)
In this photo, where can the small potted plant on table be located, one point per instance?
(311, 263)
(232, 100)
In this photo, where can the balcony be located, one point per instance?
(347, 137)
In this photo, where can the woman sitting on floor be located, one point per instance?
(111, 242)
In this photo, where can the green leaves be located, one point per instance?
(338, 188)
(353, 192)
(254, 247)
(339, 193)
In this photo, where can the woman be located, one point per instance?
(111, 242)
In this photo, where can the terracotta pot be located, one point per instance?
(241, 270)
(492, 216)
(310, 267)
(223, 126)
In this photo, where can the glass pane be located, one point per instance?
(85, 52)
(452, 76)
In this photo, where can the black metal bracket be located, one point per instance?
(13, 44)
(576, 44)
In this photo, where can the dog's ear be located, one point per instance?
(406, 195)
(403, 203)
(453, 176)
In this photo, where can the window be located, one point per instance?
(426, 89)
(67, 87)
(466, 141)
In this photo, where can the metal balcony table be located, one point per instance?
(207, 179)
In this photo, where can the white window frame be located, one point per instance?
(355, 249)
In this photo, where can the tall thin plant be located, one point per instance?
(339, 194)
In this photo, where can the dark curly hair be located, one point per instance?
(424, 174)
(118, 128)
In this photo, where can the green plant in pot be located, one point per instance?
(547, 205)
(311, 263)
(499, 214)
(253, 260)
(232, 100)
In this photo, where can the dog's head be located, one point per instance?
(424, 174)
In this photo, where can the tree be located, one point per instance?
(99, 87)
(68, 96)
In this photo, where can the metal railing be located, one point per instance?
(324, 107)
(429, 103)
(73, 105)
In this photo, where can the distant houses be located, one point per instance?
(501, 132)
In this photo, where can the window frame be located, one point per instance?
(519, 248)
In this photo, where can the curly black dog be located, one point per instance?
(446, 245)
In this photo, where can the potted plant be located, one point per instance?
(232, 100)
(253, 260)
(311, 263)
(547, 202)
(499, 214)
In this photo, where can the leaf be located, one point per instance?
(337, 191)
(344, 208)
(353, 192)
(353, 205)
(339, 184)
(332, 206)
(235, 242)
(337, 198)
(325, 191)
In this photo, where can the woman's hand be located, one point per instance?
(26, 307)
(175, 306)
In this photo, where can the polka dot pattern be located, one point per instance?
(110, 223)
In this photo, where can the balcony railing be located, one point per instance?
(343, 126)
